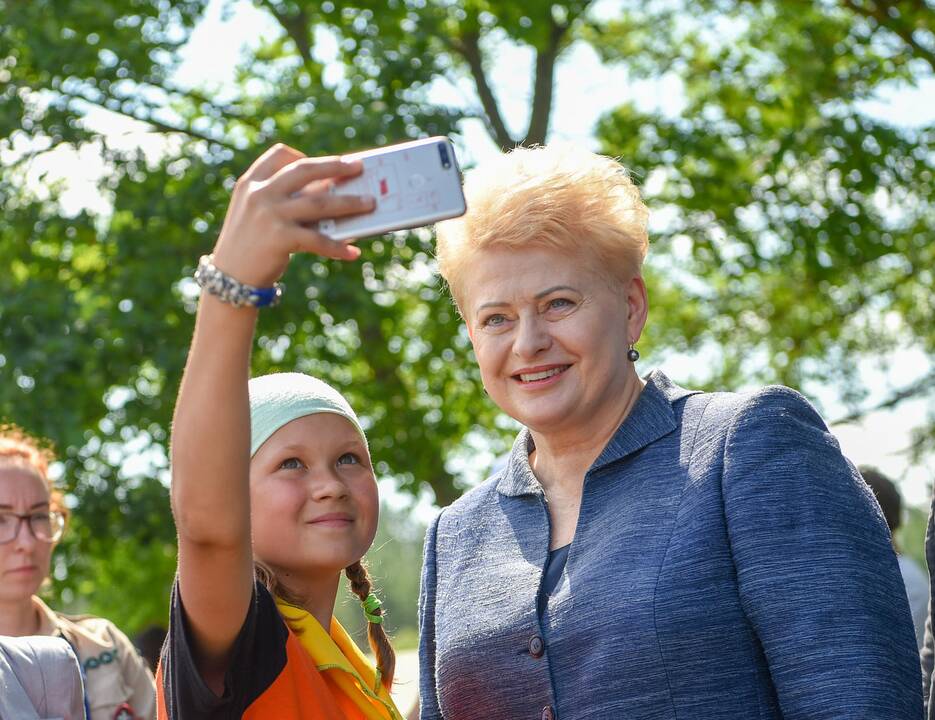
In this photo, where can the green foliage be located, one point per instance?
(910, 535)
(97, 311)
(797, 235)
(395, 566)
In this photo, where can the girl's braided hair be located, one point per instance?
(376, 634)
(361, 586)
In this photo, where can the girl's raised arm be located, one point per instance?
(272, 206)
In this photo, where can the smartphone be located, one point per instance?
(414, 183)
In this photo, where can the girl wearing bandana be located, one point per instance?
(273, 491)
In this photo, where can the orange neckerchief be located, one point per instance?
(347, 671)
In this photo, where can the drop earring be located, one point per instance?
(633, 354)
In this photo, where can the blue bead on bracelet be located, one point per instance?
(232, 291)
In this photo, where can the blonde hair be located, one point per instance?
(20, 449)
(558, 196)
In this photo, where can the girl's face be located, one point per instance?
(313, 497)
(24, 561)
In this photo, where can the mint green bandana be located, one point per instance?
(280, 398)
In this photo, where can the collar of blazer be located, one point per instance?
(652, 417)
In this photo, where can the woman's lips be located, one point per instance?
(24, 570)
(539, 376)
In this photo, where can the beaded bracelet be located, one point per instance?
(227, 289)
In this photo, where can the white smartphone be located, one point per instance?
(414, 183)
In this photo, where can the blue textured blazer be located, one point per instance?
(728, 563)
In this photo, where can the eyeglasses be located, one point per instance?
(44, 526)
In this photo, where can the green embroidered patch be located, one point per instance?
(105, 658)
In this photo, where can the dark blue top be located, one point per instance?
(728, 564)
(551, 574)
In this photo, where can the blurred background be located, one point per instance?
(784, 148)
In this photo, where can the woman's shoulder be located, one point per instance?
(717, 411)
(764, 407)
(115, 672)
(734, 429)
(477, 498)
(95, 638)
(98, 628)
(470, 506)
(773, 439)
(89, 635)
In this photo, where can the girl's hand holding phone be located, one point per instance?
(275, 205)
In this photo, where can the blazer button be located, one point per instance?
(547, 713)
(536, 647)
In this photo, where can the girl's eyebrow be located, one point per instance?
(290, 448)
(296, 448)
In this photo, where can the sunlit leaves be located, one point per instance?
(802, 217)
(792, 233)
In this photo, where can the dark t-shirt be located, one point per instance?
(270, 675)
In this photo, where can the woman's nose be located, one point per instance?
(24, 538)
(532, 337)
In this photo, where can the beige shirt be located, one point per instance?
(114, 671)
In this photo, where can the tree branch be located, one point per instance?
(875, 12)
(544, 85)
(919, 387)
(199, 98)
(468, 46)
(156, 124)
(296, 27)
(165, 127)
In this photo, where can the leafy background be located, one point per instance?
(792, 235)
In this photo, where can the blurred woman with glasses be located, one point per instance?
(118, 683)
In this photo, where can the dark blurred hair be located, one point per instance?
(149, 642)
(887, 495)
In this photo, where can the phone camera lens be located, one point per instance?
(443, 153)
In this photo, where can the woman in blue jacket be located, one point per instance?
(648, 552)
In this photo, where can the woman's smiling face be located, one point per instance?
(550, 335)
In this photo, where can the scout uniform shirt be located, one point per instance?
(118, 683)
(283, 665)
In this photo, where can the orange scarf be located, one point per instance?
(347, 671)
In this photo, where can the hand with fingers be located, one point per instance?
(274, 210)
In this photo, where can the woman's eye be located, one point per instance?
(348, 459)
(560, 304)
(494, 320)
(290, 464)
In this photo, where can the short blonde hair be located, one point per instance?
(558, 196)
